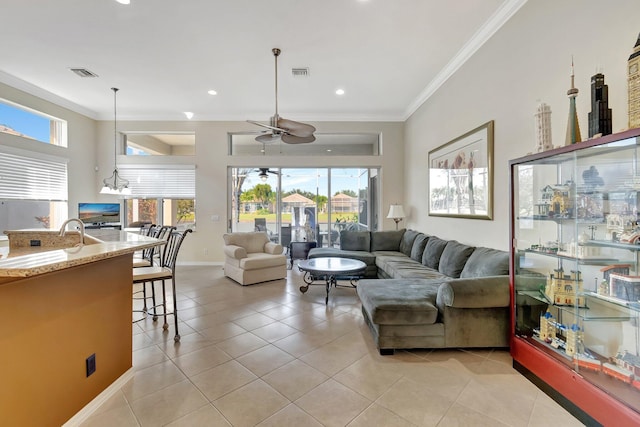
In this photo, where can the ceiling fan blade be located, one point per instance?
(268, 138)
(266, 126)
(293, 139)
(296, 128)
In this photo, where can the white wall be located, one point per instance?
(525, 62)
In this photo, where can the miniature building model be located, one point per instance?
(573, 126)
(634, 86)
(563, 289)
(617, 225)
(574, 338)
(624, 287)
(543, 128)
(547, 327)
(600, 115)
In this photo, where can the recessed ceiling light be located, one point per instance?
(212, 92)
(340, 92)
(328, 150)
(189, 114)
(124, 1)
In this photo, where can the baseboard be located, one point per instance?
(92, 406)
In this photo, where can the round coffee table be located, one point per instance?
(331, 268)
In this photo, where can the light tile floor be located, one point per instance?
(269, 355)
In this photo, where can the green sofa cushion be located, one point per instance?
(486, 262)
(386, 240)
(355, 240)
(417, 249)
(453, 258)
(399, 302)
(406, 243)
(433, 251)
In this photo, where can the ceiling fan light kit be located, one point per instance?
(287, 131)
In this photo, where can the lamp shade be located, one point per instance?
(396, 211)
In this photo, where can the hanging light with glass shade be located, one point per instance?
(115, 184)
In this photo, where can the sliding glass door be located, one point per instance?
(301, 204)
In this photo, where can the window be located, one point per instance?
(302, 204)
(179, 213)
(160, 194)
(160, 144)
(30, 124)
(33, 189)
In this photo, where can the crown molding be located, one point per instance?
(484, 33)
(36, 91)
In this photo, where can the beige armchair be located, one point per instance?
(251, 258)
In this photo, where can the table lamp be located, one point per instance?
(396, 212)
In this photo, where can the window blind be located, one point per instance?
(169, 182)
(33, 176)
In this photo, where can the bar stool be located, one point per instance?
(146, 259)
(166, 270)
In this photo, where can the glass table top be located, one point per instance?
(332, 265)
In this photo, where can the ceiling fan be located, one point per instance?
(264, 173)
(288, 131)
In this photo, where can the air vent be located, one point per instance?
(300, 72)
(83, 72)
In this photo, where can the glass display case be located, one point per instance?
(575, 274)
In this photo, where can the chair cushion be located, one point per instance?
(255, 261)
(386, 240)
(146, 274)
(355, 240)
(453, 258)
(252, 241)
(433, 251)
(406, 243)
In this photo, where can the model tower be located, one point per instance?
(634, 86)
(600, 115)
(573, 127)
(543, 128)
(574, 338)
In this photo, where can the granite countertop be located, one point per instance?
(28, 261)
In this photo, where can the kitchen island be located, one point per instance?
(61, 308)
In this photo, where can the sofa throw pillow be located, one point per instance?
(433, 251)
(418, 247)
(355, 240)
(386, 240)
(406, 243)
(486, 262)
(453, 259)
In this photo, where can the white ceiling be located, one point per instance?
(164, 55)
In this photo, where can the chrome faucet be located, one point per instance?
(64, 226)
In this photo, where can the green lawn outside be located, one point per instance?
(286, 217)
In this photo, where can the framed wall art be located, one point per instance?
(461, 176)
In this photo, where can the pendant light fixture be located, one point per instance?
(115, 184)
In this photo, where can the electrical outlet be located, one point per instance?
(91, 364)
(206, 251)
(35, 242)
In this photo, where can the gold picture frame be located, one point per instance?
(461, 176)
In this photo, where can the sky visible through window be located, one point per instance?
(24, 123)
(312, 179)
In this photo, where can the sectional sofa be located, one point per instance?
(421, 291)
